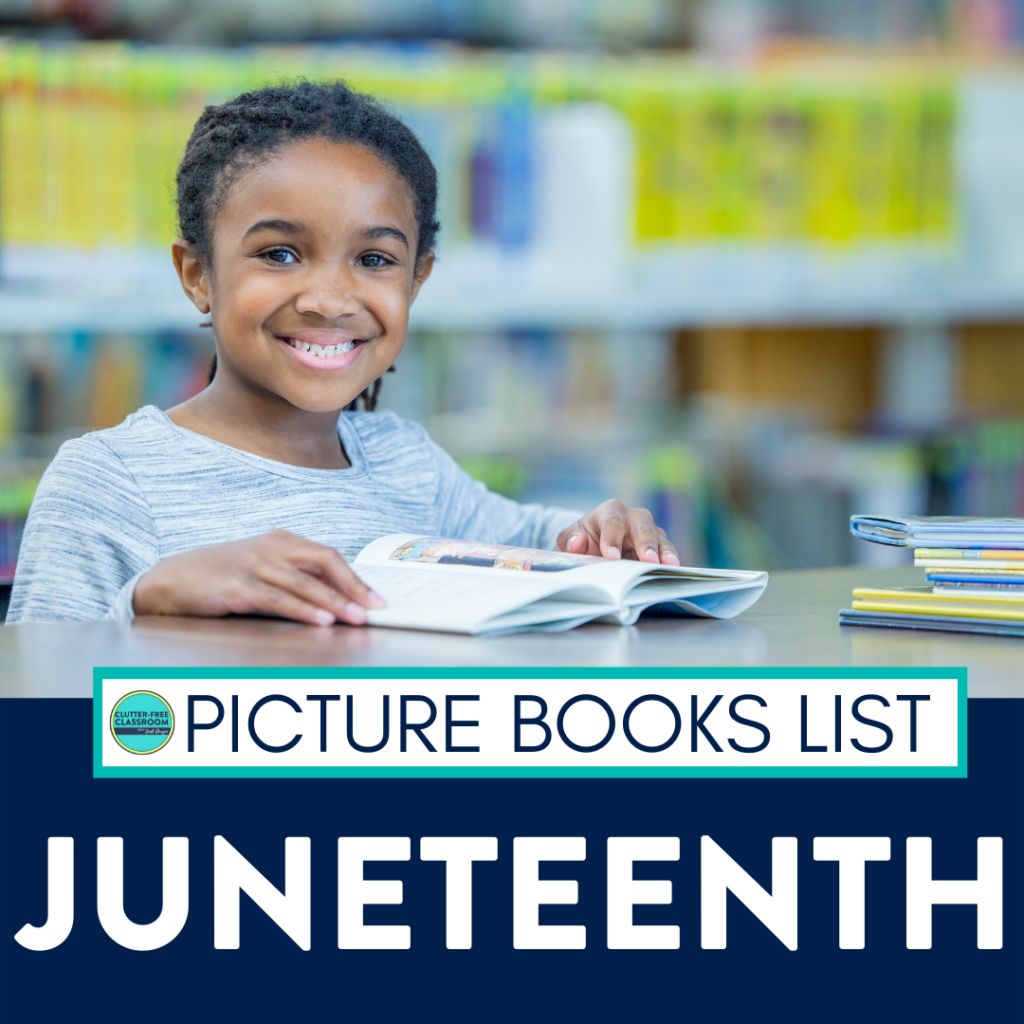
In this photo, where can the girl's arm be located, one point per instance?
(89, 535)
(91, 551)
(275, 573)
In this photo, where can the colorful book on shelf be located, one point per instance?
(946, 532)
(488, 589)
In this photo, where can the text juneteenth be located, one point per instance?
(291, 907)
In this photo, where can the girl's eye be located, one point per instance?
(280, 256)
(373, 260)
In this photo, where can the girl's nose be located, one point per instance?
(329, 294)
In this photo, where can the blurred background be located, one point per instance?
(754, 264)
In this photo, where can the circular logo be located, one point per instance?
(142, 722)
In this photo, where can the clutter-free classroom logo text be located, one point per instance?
(142, 722)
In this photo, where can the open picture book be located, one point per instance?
(464, 587)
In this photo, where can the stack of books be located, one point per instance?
(974, 570)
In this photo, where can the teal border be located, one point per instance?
(582, 772)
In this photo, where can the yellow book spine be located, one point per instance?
(20, 165)
(930, 596)
(920, 608)
(965, 566)
(973, 554)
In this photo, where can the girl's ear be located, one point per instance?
(195, 281)
(424, 265)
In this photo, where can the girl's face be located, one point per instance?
(313, 271)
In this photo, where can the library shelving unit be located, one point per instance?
(655, 193)
(817, 233)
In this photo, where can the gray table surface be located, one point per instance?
(794, 624)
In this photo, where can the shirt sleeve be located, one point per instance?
(89, 536)
(471, 512)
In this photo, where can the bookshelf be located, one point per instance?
(661, 192)
(784, 283)
(581, 263)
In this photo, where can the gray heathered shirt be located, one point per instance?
(115, 502)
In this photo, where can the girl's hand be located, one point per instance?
(273, 574)
(614, 531)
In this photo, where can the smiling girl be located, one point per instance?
(308, 224)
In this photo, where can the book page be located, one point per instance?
(465, 601)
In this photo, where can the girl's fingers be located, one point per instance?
(316, 592)
(272, 600)
(577, 543)
(323, 561)
(667, 550)
(569, 539)
(614, 526)
(643, 535)
(577, 539)
(337, 571)
(614, 531)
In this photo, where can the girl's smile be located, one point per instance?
(323, 349)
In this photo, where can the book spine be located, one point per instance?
(986, 612)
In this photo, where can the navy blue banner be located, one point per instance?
(47, 790)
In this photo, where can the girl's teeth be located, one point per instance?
(323, 350)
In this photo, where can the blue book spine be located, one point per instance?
(515, 170)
